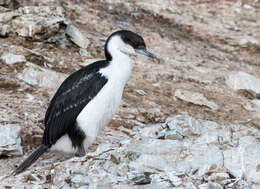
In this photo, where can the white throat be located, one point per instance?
(120, 66)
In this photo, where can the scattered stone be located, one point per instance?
(195, 98)
(83, 52)
(153, 110)
(248, 41)
(39, 22)
(239, 184)
(80, 180)
(176, 181)
(141, 92)
(210, 186)
(218, 176)
(4, 30)
(140, 178)
(198, 162)
(153, 115)
(36, 75)
(7, 16)
(244, 161)
(172, 134)
(256, 119)
(76, 36)
(241, 81)
(251, 163)
(257, 104)
(232, 161)
(190, 185)
(147, 131)
(10, 58)
(188, 125)
(10, 141)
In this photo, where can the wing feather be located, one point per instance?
(71, 97)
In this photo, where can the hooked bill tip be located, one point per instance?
(146, 53)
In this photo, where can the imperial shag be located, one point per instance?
(88, 99)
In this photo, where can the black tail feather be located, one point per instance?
(31, 159)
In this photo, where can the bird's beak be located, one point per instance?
(146, 53)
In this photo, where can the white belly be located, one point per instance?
(99, 111)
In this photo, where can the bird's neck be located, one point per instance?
(119, 68)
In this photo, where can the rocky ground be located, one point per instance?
(190, 121)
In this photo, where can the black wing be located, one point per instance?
(71, 97)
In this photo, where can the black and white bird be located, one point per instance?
(88, 99)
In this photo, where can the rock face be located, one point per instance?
(243, 81)
(207, 151)
(10, 141)
(42, 23)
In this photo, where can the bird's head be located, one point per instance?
(126, 42)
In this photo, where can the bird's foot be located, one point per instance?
(80, 152)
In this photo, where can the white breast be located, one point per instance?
(100, 110)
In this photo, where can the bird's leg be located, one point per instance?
(77, 137)
(80, 151)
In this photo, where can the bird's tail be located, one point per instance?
(31, 159)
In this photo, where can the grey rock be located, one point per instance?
(256, 119)
(38, 22)
(9, 3)
(161, 185)
(150, 163)
(233, 162)
(175, 180)
(257, 104)
(153, 110)
(76, 36)
(140, 92)
(4, 30)
(198, 162)
(251, 163)
(244, 161)
(188, 124)
(190, 185)
(171, 134)
(26, 26)
(36, 75)
(241, 81)
(140, 178)
(80, 180)
(210, 186)
(148, 131)
(10, 58)
(152, 155)
(8, 16)
(10, 141)
(154, 147)
(248, 41)
(83, 52)
(5, 2)
(254, 107)
(195, 98)
(238, 184)
(218, 176)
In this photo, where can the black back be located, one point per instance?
(71, 97)
(131, 38)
